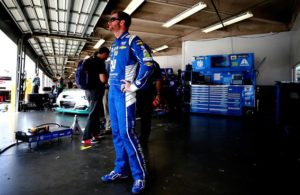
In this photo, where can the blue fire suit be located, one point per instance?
(126, 53)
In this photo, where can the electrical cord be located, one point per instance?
(6, 148)
(52, 124)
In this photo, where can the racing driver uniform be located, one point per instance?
(127, 52)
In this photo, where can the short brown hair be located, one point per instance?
(123, 16)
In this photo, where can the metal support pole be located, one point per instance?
(21, 75)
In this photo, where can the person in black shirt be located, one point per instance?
(97, 79)
(146, 97)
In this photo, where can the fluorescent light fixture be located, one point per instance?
(99, 43)
(133, 5)
(229, 21)
(199, 6)
(160, 48)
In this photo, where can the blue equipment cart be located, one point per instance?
(42, 133)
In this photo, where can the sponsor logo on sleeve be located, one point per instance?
(148, 63)
(139, 42)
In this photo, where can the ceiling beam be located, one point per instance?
(58, 36)
(34, 10)
(57, 56)
(43, 56)
(91, 15)
(53, 53)
(68, 17)
(79, 12)
(38, 41)
(46, 16)
(266, 21)
(65, 50)
(23, 14)
(60, 10)
(57, 21)
(77, 48)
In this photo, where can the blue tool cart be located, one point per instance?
(43, 133)
(223, 84)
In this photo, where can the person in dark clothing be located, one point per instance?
(146, 97)
(36, 83)
(70, 84)
(105, 105)
(59, 84)
(95, 67)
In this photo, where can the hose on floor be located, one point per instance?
(6, 148)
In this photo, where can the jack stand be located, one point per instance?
(75, 126)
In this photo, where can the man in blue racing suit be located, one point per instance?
(126, 53)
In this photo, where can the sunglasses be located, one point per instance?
(112, 19)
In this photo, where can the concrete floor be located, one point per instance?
(187, 155)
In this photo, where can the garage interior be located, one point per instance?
(189, 152)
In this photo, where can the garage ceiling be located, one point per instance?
(64, 31)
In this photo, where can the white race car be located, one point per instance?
(72, 101)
